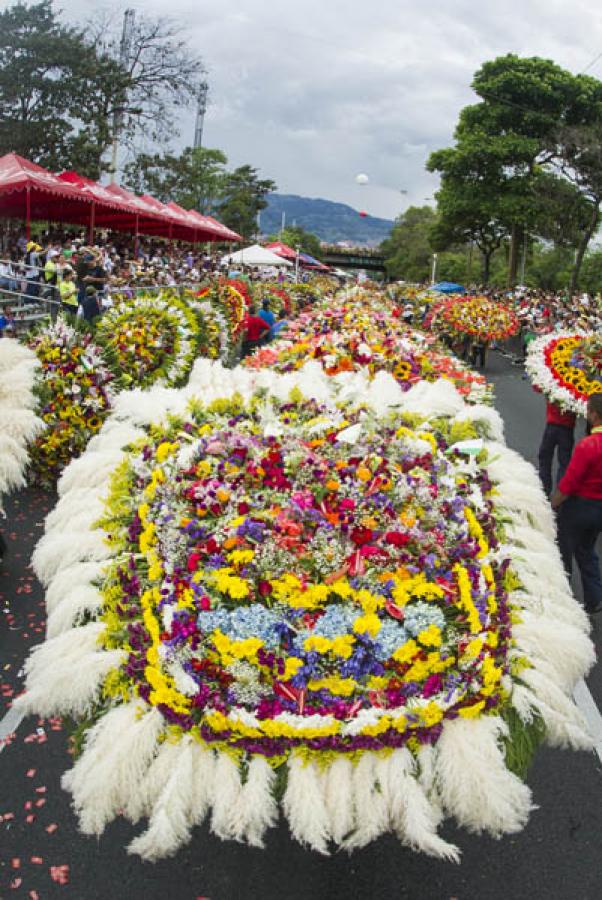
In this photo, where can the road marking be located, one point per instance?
(9, 724)
(590, 712)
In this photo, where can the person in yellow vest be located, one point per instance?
(68, 292)
(50, 276)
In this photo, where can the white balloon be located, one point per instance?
(362, 178)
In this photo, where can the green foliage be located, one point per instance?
(408, 252)
(522, 741)
(294, 237)
(243, 196)
(195, 179)
(504, 175)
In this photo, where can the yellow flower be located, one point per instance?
(164, 450)
(471, 712)
(431, 636)
(318, 643)
(406, 653)
(368, 623)
(431, 714)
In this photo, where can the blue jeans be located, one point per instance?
(579, 524)
(555, 437)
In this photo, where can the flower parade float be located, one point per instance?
(566, 367)
(361, 333)
(19, 424)
(478, 317)
(285, 600)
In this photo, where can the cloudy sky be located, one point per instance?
(314, 93)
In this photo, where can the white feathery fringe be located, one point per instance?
(117, 752)
(152, 784)
(72, 507)
(339, 798)
(427, 776)
(304, 805)
(439, 398)
(225, 820)
(203, 784)
(524, 703)
(13, 460)
(485, 416)
(569, 650)
(474, 784)
(65, 673)
(54, 552)
(258, 808)
(170, 821)
(70, 578)
(371, 814)
(384, 393)
(114, 435)
(21, 424)
(90, 470)
(565, 726)
(410, 812)
(79, 602)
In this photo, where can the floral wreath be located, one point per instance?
(566, 368)
(149, 339)
(478, 317)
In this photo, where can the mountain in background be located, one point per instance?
(331, 222)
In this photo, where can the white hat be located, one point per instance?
(52, 253)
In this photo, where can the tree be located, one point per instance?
(504, 140)
(195, 179)
(294, 236)
(243, 196)
(45, 74)
(408, 252)
(162, 75)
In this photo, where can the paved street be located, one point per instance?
(557, 856)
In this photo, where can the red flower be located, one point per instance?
(361, 536)
(193, 562)
(243, 508)
(347, 504)
(397, 539)
(265, 588)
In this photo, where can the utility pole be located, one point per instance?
(125, 46)
(201, 109)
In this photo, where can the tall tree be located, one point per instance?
(243, 196)
(408, 251)
(44, 71)
(163, 75)
(503, 140)
(195, 179)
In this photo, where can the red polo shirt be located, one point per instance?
(254, 327)
(556, 416)
(583, 476)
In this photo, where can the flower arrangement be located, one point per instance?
(231, 302)
(478, 317)
(278, 298)
(343, 337)
(149, 339)
(566, 367)
(74, 388)
(303, 602)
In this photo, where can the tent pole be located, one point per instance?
(28, 212)
(92, 218)
(136, 237)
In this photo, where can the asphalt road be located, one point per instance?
(557, 857)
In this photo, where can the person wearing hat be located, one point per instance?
(32, 272)
(50, 275)
(68, 292)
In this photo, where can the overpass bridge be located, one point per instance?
(356, 258)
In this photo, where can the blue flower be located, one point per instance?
(419, 615)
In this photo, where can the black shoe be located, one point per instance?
(592, 610)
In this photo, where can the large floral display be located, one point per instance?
(567, 368)
(74, 387)
(354, 614)
(477, 317)
(362, 334)
(149, 340)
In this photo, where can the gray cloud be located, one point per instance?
(315, 94)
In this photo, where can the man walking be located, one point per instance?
(558, 435)
(578, 498)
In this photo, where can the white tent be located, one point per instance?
(255, 256)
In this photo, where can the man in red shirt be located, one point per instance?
(578, 498)
(255, 330)
(559, 435)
